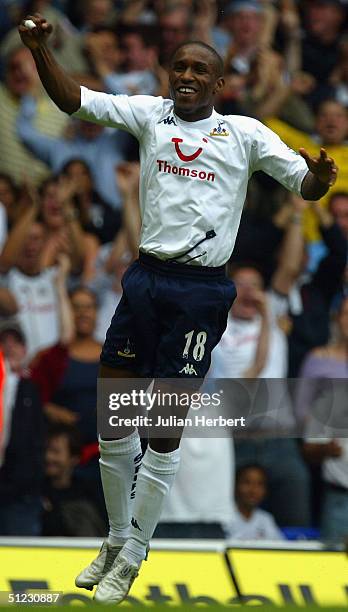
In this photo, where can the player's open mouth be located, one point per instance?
(186, 91)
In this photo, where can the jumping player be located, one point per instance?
(195, 166)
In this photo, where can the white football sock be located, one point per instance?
(155, 480)
(120, 461)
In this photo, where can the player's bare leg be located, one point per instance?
(120, 460)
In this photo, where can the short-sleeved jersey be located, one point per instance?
(194, 175)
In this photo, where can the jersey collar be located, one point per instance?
(201, 124)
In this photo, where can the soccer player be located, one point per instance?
(195, 166)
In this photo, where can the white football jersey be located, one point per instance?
(194, 175)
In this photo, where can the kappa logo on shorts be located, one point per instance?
(188, 369)
(126, 351)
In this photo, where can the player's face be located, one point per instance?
(251, 488)
(193, 82)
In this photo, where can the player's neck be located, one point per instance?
(199, 115)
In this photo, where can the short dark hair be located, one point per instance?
(71, 433)
(250, 466)
(219, 64)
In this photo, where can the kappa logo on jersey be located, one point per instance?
(168, 121)
(181, 155)
(126, 351)
(188, 369)
(219, 131)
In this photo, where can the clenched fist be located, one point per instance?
(35, 37)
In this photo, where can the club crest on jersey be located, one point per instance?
(219, 131)
(168, 120)
(181, 155)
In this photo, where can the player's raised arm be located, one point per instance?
(61, 88)
(308, 177)
(321, 176)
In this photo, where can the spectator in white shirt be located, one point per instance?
(250, 522)
(39, 295)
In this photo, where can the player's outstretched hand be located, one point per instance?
(34, 37)
(323, 167)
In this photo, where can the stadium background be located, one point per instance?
(69, 227)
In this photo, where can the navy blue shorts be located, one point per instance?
(169, 319)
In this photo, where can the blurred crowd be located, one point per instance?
(69, 227)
